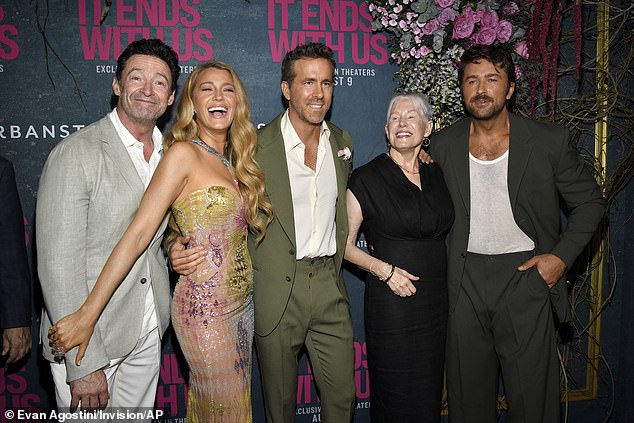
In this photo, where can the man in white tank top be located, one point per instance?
(507, 253)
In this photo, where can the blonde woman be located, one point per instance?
(216, 192)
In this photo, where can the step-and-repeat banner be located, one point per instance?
(57, 61)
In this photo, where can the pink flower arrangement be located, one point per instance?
(429, 36)
(504, 31)
(464, 24)
(486, 36)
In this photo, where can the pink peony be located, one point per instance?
(510, 8)
(522, 49)
(489, 19)
(463, 25)
(446, 16)
(443, 4)
(504, 31)
(424, 50)
(486, 36)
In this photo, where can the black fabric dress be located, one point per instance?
(405, 337)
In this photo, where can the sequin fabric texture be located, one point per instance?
(212, 310)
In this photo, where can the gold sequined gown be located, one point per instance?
(212, 310)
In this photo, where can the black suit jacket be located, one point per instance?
(15, 278)
(542, 169)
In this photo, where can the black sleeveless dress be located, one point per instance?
(405, 337)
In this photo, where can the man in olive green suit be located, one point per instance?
(299, 294)
(507, 253)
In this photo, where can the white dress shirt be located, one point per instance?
(314, 193)
(145, 171)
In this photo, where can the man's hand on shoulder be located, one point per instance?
(91, 391)
(424, 157)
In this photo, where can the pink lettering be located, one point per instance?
(284, 13)
(12, 49)
(360, 354)
(207, 52)
(362, 381)
(365, 14)
(82, 10)
(166, 397)
(307, 14)
(304, 393)
(329, 13)
(162, 15)
(280, 46)
(9, 49)
(379, 46)
(337, 46)
(94, 42)
(150, 9)
(121, 10)
(354, 16)
(193, 13)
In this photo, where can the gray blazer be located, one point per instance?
(543, 169)
(274, 262)
(88, 194)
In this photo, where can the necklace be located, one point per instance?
(215, 152)
(222, 158)
(405, 170)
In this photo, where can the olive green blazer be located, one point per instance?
(273, 257)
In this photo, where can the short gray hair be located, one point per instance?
(421, 102)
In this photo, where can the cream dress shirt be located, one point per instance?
(314, 193)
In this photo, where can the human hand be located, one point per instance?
(16, 343)
(550, 267)
(185, 260)
(401, 283)
(91, 391)
(424, 157)
(72, 331)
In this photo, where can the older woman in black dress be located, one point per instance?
(405, 212)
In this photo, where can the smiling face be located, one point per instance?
(144, 90)
(309, 94)
(485, 89)
(214, 100)
(405, 128)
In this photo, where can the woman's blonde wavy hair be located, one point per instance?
(240, 149)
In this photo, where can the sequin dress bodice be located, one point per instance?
(212, 310)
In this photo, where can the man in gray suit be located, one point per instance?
(507, 252)
(90, 189)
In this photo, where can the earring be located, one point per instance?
(426, 142)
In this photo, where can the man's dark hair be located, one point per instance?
(150, 47)
(305, 51)
(496, 54)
